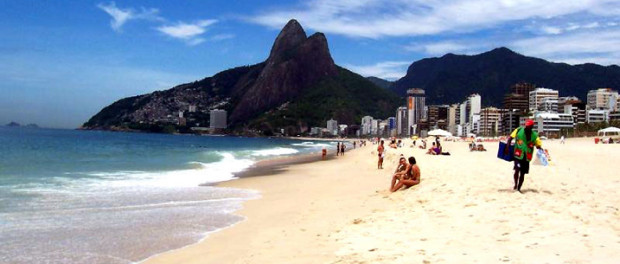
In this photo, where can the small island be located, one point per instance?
(15, 124)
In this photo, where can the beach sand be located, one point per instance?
(464, 211)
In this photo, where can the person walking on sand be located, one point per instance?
(342, 147)
(324, 153)
(408, 178)
(526, 139)
(381, 151)
(562, 140)
(338, 149)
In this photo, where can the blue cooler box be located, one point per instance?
(500, 152)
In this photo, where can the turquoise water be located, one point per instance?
(70, 196)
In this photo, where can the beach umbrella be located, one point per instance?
(439, 133)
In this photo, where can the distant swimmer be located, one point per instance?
(410, 177)
(526, 139)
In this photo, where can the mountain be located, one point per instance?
(450, 78)
(13, 124)
(298, 86)
(385, 84)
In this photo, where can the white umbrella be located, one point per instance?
(439, 133)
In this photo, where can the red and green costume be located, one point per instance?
(523, 147)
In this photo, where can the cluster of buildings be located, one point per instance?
(552, 114)
(217, 119)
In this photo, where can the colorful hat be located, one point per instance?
(529, 123)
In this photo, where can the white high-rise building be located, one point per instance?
(595, 116)
(366, 125)
(332, 127)
(475, 104)
(463, 114)
(553, 122)
(539, 94)
(374, 127)
(218, 118)
(602, 98)
(548, 104)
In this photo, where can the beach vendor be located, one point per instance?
(526, 139)
(380, 150)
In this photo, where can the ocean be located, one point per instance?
(69, 196)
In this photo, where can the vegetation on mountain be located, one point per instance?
(450, 78)
(385, 84)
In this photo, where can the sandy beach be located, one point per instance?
(464, 211)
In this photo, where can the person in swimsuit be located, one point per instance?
(380, 150)
(410, 177)
(342, 147)
(400, 170)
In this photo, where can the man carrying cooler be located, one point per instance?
(526, 139)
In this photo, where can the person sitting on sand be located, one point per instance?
(481, 148)
(400, 171)
(423, 146)
(435, 150)
(324, 153)
(408, 178)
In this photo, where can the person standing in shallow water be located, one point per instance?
(338, 149)
(342, 147)
(526, 139)
(380, 150)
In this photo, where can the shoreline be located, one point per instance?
(339, 211)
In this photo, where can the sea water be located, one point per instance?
(69, 196)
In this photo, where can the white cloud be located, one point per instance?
(380, 18)
(220, 37)
(390, 70)
(188, 32)
(438, 48)
(121, 16)
(551, 30)
(602, 47)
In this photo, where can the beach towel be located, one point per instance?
(500, 152)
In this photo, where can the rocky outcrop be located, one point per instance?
(295, 63)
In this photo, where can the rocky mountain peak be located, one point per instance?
(295, 63)
(291, 36)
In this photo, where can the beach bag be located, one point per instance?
(542, 157)
(500, 152)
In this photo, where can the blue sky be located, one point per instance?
(62, 61)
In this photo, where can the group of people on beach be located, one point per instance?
(408, 174)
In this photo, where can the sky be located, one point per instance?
(62, 61)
